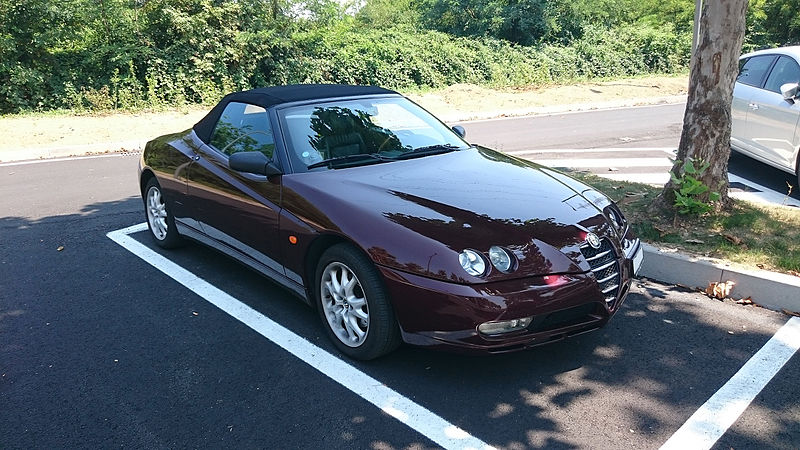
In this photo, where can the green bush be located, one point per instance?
(195, 51)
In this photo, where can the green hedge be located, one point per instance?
(183, 68)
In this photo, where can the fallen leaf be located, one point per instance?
(194, 313)
(613, 169)
(733, 239)
(60, 247)
(794, 272)
(745, 301)
(730, 332)
(791, 313)
(719, 290)
(694, 241)
(760, 266)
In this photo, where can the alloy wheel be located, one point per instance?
(344, 304)
(157, 213)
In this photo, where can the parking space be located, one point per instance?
(99, 348)
(632, 383)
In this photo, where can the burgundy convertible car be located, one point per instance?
(387, 222)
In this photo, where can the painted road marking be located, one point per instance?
(605, 162)
(392, 403)
(668, 150)
(581, 108)
(763, 194)
(716, 415)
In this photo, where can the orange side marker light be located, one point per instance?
(293, 239)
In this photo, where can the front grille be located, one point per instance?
(605, 268)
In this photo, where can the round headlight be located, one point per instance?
(500, 258)
(472, 262)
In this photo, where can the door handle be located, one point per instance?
(753, 106)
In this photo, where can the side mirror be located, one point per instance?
(460, 131)
(790, 90)
(253, 162)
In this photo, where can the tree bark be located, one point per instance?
(707, 121)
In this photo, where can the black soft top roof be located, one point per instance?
(276, 95)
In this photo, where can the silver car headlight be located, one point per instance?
(501, 259)
(472, 262)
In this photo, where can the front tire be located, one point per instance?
(160, 221)
(353, 304)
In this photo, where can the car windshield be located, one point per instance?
(330, 135)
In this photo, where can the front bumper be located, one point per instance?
(440, 314)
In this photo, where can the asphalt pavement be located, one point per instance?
(99, 348)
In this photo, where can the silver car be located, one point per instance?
(766, 108)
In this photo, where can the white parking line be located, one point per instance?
(668, 150)
(605, 162)
(392, 403)
(581, 108)
(716, 415)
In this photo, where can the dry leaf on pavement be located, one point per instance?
(719, 290)
(791, 313)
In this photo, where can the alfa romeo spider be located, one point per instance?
(387, 222)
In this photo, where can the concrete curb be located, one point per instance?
(70, 150)
(769, 289)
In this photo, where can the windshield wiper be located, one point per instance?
(348, 158)
(428, 150)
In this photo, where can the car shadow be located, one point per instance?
(763, 174)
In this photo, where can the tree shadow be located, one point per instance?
(664, 354)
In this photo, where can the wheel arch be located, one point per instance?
(145, 178)
(314, 252)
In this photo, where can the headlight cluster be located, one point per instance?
(609, 208)
(616, 218)
(474, 263)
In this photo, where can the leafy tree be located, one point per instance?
(389, 13)
(521, 21)
(782, 20)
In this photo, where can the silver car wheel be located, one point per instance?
(344, 304)
(157, 213)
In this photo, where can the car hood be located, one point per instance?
(417, 215)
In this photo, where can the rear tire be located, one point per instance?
(353, 304)
(160, 220)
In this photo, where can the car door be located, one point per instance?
(238, 210)
(772, 120)
(752, 72)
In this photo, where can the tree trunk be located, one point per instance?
(707, 122)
